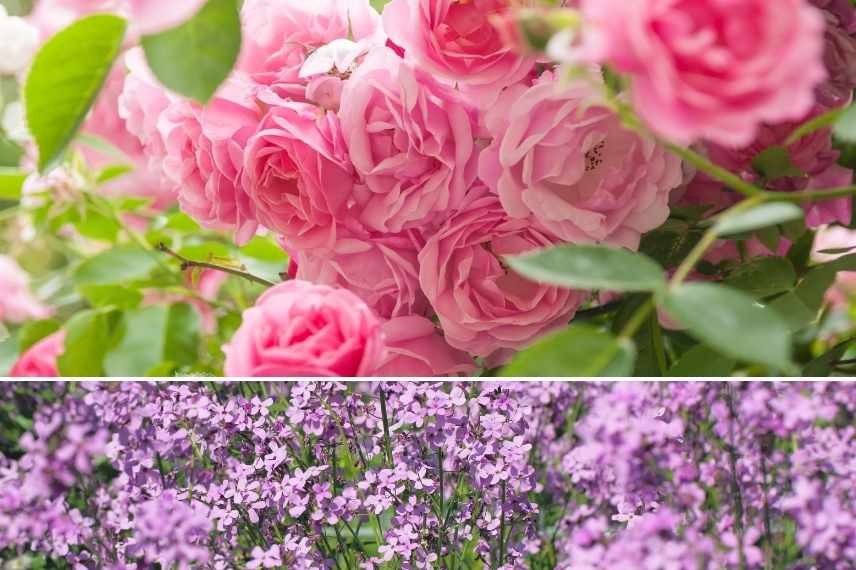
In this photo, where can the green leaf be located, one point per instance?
(88, 337)
(761, 216)
(197, 56)
(65, 79)
(845, 127)
(34, 331)
(11, 183)
(10, 152)
(702, 361)
(116, 296)
(731, 322)
(151, 335)
(579, 350)
(379, 4)
(591, 267)
(822, 365)
(264, 249)
(774, 162)
(671, 243)
(117, 265)
(763, 276)
(97, 226)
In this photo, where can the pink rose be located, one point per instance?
(280, 34)
(40, 360)
(713, 69)
(410, 139)
(457, 41)
(17, 303)
(204, 157)
(813, 155)
(482, 305)
(415, 347)
(300, 329)
(573, 168)
(145, 16)
(382, 271)
(298, 175)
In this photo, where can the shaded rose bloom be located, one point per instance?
(813, 155)
(711, 69)
(839, 54)
(40, 360)
(415, 347)
(482, 305)
(204, 157)
(458, 42)
(17, 303)
(280, 34)
(382, 270)
(410, 139)
(573, 168)
(300, 329)
(298, 176)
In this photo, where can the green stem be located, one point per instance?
(810, 195)
(188, 263)
(728, 178)
(385, 418)
(637, 320)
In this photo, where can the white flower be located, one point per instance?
(339, 54)
(19, 43)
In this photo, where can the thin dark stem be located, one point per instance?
(189, 263)
(385, 419)
(736, 494)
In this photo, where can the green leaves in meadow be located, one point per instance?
(197, 56)
(11, 183)
(65, 79)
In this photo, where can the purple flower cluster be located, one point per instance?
(574, 476)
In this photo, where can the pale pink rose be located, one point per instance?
(833, 238)
(573, 168)
(144, 16)
(411, 141)
(204, 157)
(17, 303)
(382, 270)
(459, 42)
(300, 329)
(482, 305)
(813, 155)
(415, 347)
(40, 360)
(280, 34)
(298, 176)
(712, 69)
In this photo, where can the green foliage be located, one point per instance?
(731, 322)
(763, 276)
(758, 217)
(579, 350)
(89, 335)
(591, 267)
(117, 265)
(11, 183)
(65, 79)
(845, 125)
(197, 56)
(775, 162)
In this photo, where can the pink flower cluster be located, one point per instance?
(398, 157)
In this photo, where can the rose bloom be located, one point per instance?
(298, 176)
(458, 41)
(280, 34)
(40, 360)
(415, 347)
(839, 55)
(17, 303)
(382, 270)
(813, 155)
(300, 329)
(204, 157)
(482, 305)
(573, 168)
(713, 69)
(144, 16)
(410, 139)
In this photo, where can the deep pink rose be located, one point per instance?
(573, 168)
(17, 303)
(204, 157)
(712, 69)
(298, 175)
(482, 305)
(280, 34)
(300, 329)
(457, 41)
(40, 360)
(382, 270)
(813, 155)
(410, 139)
(415, 347)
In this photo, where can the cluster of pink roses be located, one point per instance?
(399, 158)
